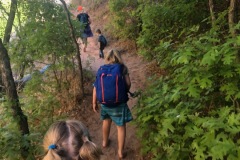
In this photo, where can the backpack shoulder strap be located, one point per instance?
(86, 16)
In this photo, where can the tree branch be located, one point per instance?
(231, 17)
(10, 21)
(77, 48)
(211, 8)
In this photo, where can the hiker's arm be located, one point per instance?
(127, 78)
(128, 81)
(89, 20)
(99, 44)
(94, 100)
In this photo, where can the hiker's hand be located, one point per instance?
(95, 107)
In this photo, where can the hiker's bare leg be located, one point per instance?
(106, 131)
(121, 139)
(85, 44)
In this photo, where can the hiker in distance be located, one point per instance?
(85, 28)
(69, 139)
(102, 43)
(110, 90)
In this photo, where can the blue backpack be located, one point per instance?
(111, 85)
(83, 18)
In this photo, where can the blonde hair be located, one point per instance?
(90, 151)
(69, 139)
(113, 56)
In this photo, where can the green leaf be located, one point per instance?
(209, 58)
(199, 150)
(205, 83)
(167, 126)
(229, 58)
(193, 131)
(193, 91)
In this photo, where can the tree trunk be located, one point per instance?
(77, 49)
(12, 95)
(231, 17)
(8, 81)
(10, 21)
(211, 8)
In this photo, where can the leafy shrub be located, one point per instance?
(9, 137)
(167, 21)
(193, 113)
(43, 34)
(124, 23)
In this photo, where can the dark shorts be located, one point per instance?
(87, 32)
(119, 114)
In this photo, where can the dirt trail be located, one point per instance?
(90, 60)
(136, 69)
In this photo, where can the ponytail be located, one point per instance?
(90, 151)
(52, 155)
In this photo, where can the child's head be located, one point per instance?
(113, 56)
(69, 140)
(98, 31)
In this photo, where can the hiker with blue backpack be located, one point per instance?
(85, 28)
(111, 91)
(102, 43)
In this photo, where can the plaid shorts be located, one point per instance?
(119, 114)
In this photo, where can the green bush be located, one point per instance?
(43, 34)
(167, 21)
(124, 23)
(10, 140)
(193, 112)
